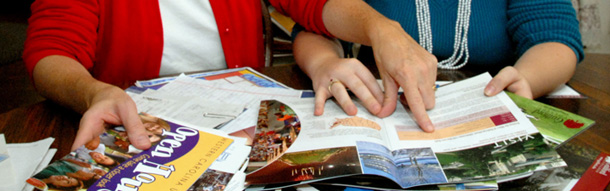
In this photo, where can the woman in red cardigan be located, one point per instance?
(77, 52)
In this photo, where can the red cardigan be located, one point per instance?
(122, 41)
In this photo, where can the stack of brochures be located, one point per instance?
(238, 129)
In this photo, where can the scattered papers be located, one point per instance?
(25, 158)
(187, 110)
(7, 167)
(237, 91)
(45, 161)
(564, 91)
(244, 76)
(221, 100)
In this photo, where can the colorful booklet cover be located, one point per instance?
(556, 125)
(245, 75)
(177, 159)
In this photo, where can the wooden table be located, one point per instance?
(592, 78)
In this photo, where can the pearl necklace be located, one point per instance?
(460, 46)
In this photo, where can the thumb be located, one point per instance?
(136, 131)
(504, 78)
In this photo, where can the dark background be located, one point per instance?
(15, 86)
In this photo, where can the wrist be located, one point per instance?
(97, 91)
(378, 31)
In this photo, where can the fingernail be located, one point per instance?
(429, 128)
(489, 90)
(142, 140)
(376, 108)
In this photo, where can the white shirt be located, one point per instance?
(190, 37)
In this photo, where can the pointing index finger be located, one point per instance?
(417, 107)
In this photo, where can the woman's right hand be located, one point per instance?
(67, 82)
(404, 63)
(110, 107)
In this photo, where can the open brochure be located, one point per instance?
(180, 158)
(476, 138)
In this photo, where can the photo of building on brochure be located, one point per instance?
(414, 167)
(407, 167)
(504, 159)
(308, 165)
(102, 166)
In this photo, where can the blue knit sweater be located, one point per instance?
(500, 30)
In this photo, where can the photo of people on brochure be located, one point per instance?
(104, 162)
(68, 173)
(277, 128)
(88, 163)
(117, 140)
(212, 180)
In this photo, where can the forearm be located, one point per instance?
(312, 50)
(67, 82)
(546, 66)
(357, 22)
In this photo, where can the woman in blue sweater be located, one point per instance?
(536, 43)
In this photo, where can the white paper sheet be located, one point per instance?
(43, 164)
(192, 111)
(26, 157)
(220, 92)
(7, 177)
(564, 91)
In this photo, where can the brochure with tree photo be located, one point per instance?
(476, 138)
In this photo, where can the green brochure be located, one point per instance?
(556, 125)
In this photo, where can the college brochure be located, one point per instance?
(180, 158)
(297, 147)
(555, 124)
